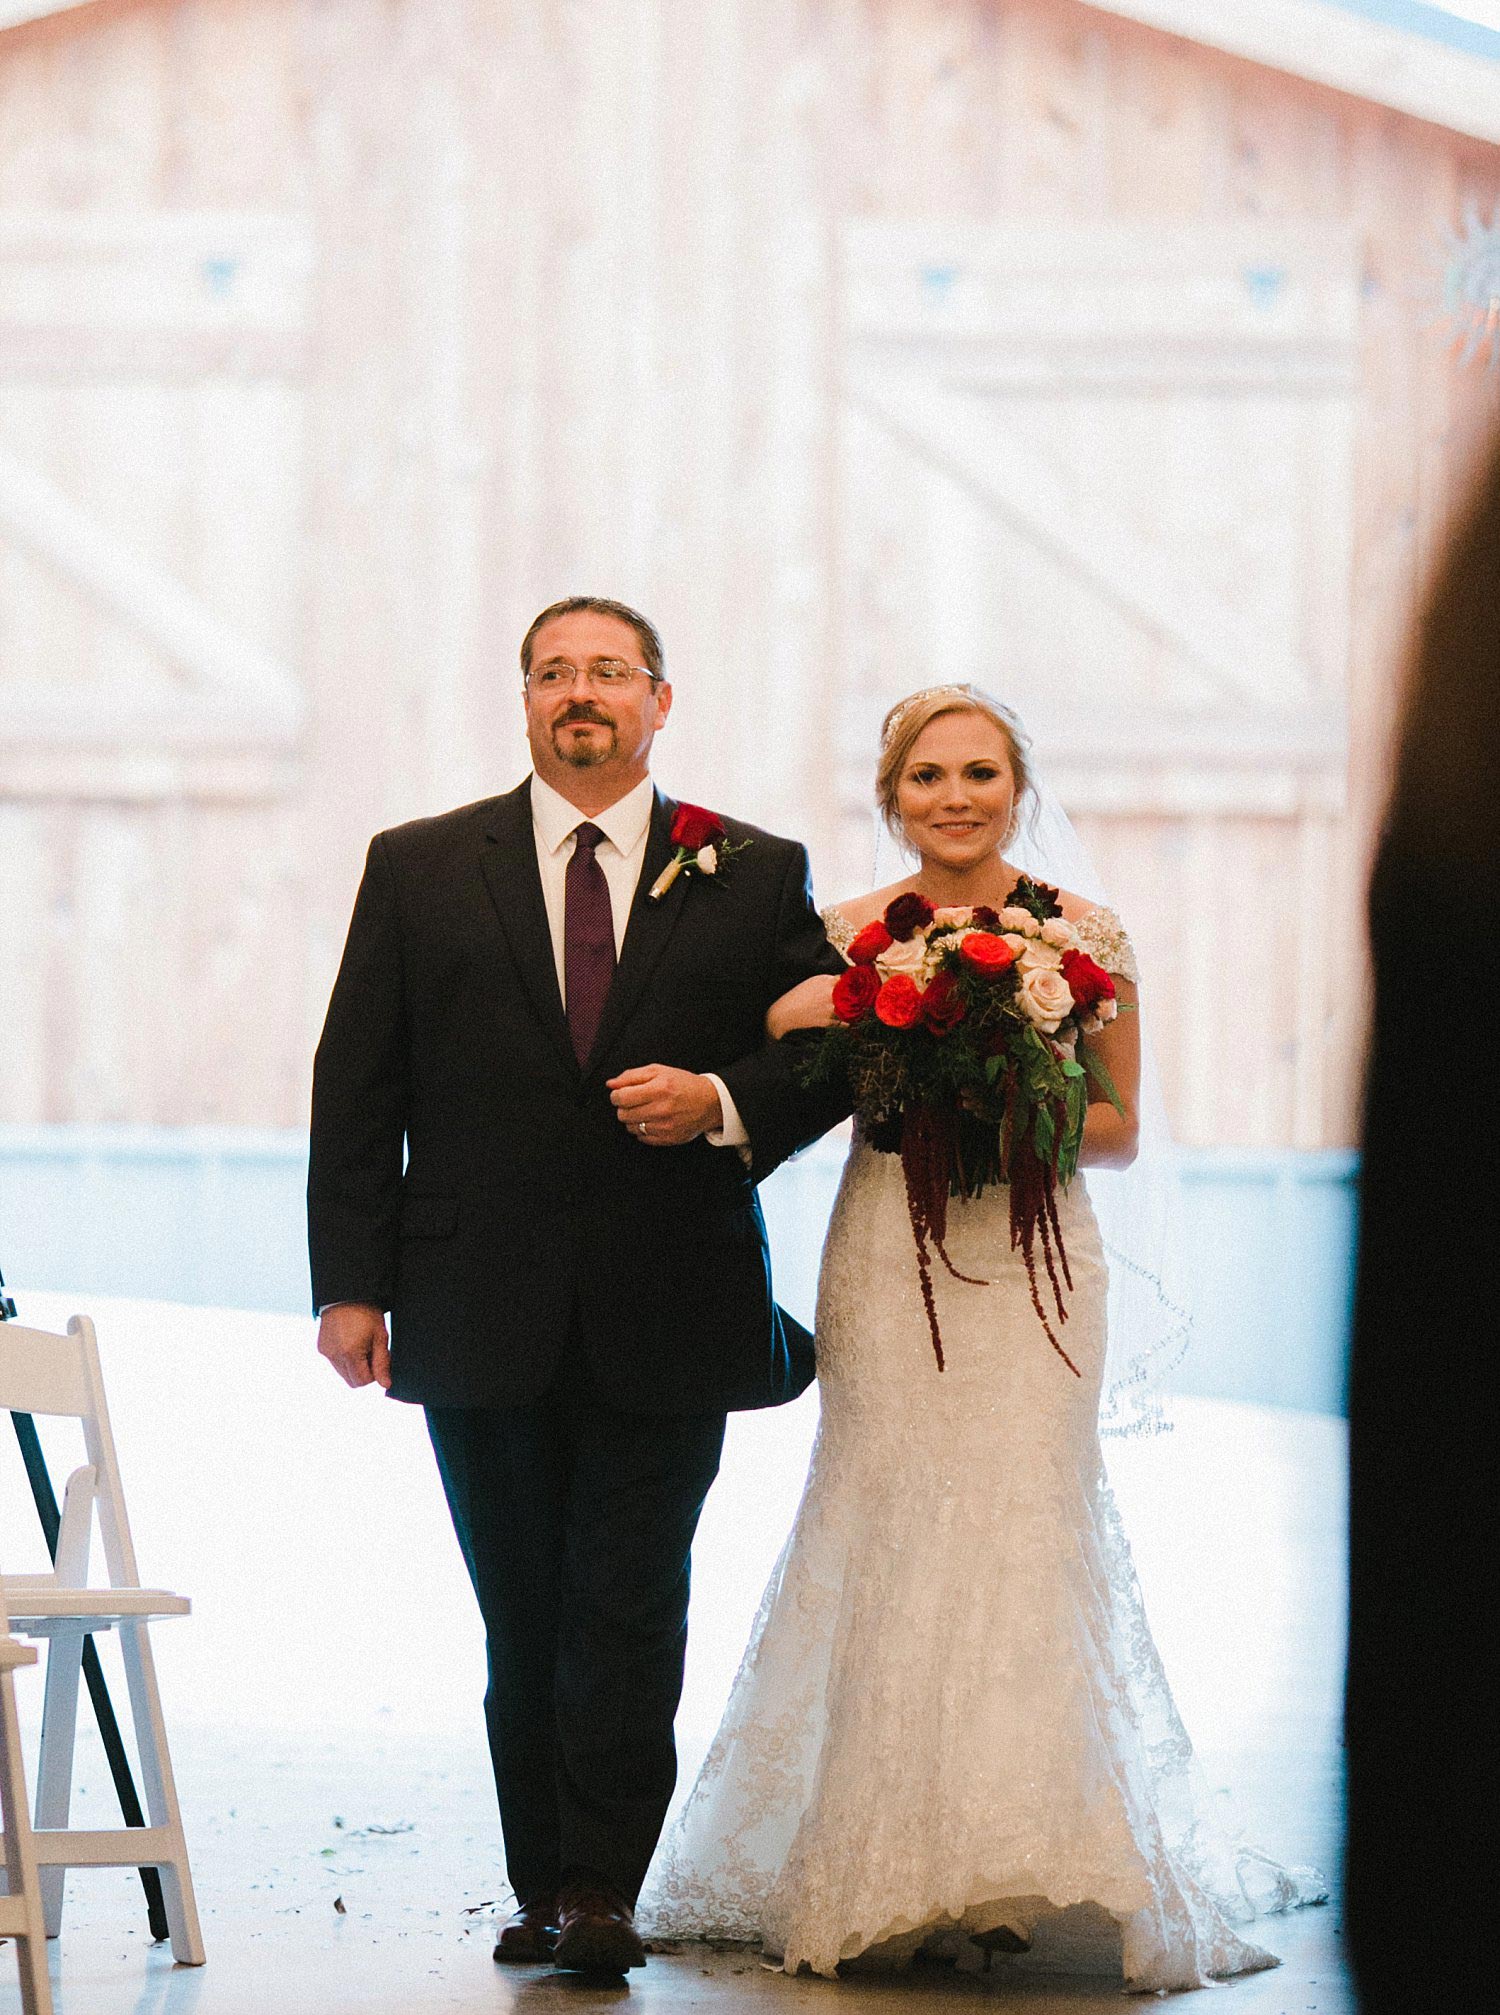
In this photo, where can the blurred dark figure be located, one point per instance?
(1423, 1691)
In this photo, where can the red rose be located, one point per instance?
(870, 943)
(854, 991)
(907, 915)
(985, 918)
(986, 953)
(693, 827)
(943, 1005)
(1088, 983)
(899, 1001)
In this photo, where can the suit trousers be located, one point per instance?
(576, 1522)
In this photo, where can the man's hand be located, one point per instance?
(664, 1107)
(352, 1336)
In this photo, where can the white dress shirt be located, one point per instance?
(621, 854)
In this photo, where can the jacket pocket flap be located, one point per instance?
(429, 1216)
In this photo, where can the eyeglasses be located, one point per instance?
(557, 675)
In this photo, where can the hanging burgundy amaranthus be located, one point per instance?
(958, 1032)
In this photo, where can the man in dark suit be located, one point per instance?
(574, 1260)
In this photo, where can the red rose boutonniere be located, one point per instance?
(702, 848)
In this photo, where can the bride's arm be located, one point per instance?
(1110, 1139)
(808, 1005)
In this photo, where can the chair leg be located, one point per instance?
(54, 1774)
(20, 1861)
(161, 1793)
(36, 1983)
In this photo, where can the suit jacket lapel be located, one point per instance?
(508, 858)
(651, 925)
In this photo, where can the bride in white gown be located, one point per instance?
(951, 1730)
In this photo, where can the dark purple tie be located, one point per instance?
(588, 941)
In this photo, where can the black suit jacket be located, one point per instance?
(527, 1221)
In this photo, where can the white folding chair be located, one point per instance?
(21, 1901)
(48, 1374)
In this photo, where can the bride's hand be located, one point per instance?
(809, 1005)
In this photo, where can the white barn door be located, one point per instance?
(153, 594)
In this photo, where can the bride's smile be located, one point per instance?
(956, 795)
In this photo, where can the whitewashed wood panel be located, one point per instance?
(1167, 503)
(126, 487)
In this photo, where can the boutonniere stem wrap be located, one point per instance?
(701, 847)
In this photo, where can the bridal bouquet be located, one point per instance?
(957, 1030)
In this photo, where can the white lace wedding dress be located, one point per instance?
(951, 1714)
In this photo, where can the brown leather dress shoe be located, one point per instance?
(527, 1937)
(596, 1931)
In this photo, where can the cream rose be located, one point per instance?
(1017, 919)
(1102, 1015)
(1037, 956)
(1058, 931)
(952, 919)
(1045, 997)
(708, 861)
(907, 956)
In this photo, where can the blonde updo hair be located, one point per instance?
(905, 722)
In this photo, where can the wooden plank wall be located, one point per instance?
(571, 321)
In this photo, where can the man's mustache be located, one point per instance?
(584, 712)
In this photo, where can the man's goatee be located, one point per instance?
(585, 755)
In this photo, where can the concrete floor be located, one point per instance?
(283, 1830)
(323, 1699)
